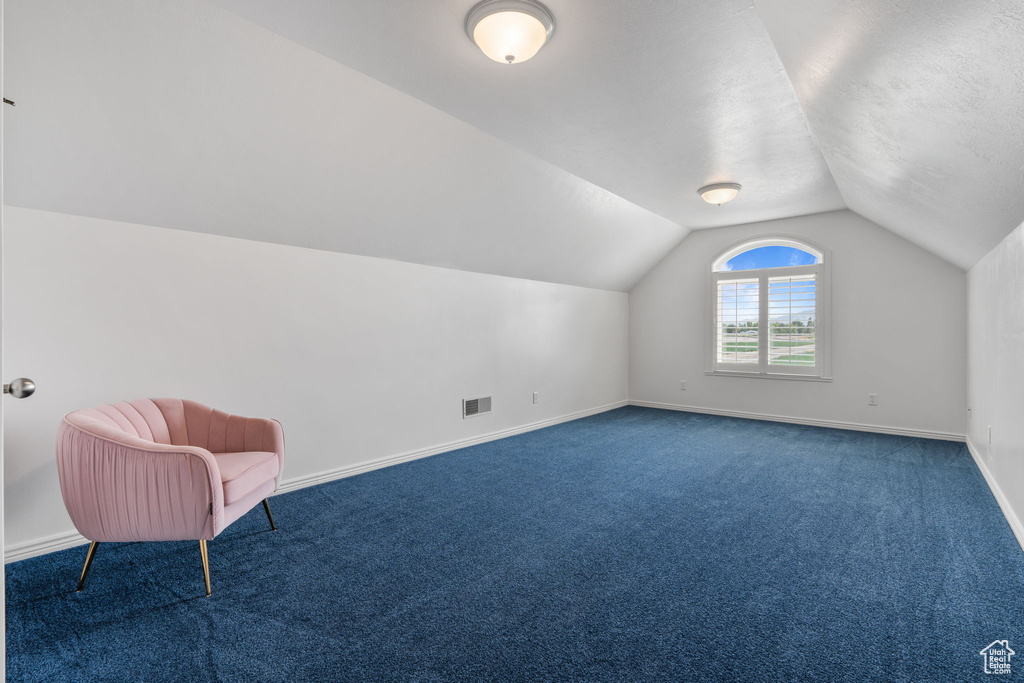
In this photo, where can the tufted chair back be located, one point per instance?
(180, 422)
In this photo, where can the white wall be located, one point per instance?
(898, 318)
(360, 358)
(995, 389)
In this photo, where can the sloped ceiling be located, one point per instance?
(919, 110)
(184, 115)
(378, 128)
(650, 99)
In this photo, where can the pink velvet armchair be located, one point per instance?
(164, 469)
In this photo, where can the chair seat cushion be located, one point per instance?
(242, 473)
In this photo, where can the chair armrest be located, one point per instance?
(264, 434)
(118, 487)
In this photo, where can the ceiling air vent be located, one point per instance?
(471, 407)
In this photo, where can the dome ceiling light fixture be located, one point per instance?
(719, 193)
(510, 31)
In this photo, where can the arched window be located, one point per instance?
(769, 310)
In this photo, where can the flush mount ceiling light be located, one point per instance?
(510, 31)
(719, 193)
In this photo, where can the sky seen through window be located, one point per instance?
(769, 257)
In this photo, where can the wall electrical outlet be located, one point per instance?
(682, 385)
(536, 397)
(872, 399)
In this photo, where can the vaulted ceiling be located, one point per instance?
(650, 100)
(184, 115)
(918, 107)
(378, 128)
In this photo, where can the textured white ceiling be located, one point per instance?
(184, 115)
(649, 99)
(919, 111)
(400, 140)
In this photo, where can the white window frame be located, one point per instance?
(822, 370)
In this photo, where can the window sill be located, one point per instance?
(773, 375)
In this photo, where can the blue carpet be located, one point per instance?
(634, 545)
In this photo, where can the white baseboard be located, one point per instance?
(23, 551)
(944, 436)
(1004, 504)
(50, 544)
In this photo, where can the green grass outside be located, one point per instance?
(778, 343)
(730, 347)
(795, 359)
(739, 346)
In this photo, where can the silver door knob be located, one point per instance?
(20, 388)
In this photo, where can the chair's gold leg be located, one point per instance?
(266, 507)
(88, 563)
(206, 566)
